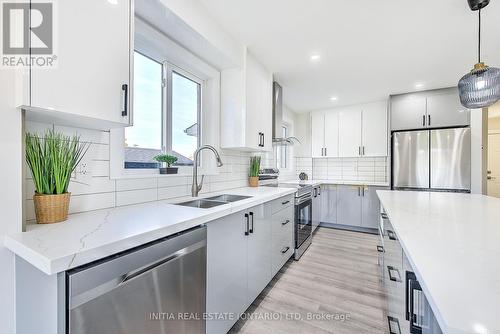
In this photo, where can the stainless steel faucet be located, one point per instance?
(195, 188)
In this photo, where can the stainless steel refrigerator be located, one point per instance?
(437, 159)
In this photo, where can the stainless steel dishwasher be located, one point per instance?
(158, 288)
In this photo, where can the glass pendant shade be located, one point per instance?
(480, 88)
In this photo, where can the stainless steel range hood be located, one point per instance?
(278, 139)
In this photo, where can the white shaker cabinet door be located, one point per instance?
(332, 134)
(349, 205)
(329, 204)
(226, 270)
(317, 134)
(408, 112)
(258, 251)
(374, 130)
(93, 49)
(445, 110)
(350, 132)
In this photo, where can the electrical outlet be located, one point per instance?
(82, 172)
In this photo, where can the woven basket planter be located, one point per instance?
(253, 181)
(51, 208)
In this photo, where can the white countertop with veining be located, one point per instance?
(90, 236)
(452, 241)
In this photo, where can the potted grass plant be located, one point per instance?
(51, 160)
(168, 160)
(253, 179)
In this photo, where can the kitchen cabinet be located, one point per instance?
(354, 131)
(324, 134)
(246, 107)
(93, 76)
(445, 110)
(349, 205)
(370, 207)
(226, 270)
(350, 132)
(358, 206)
(282, 238)
(430, 109)
(244, 251)
(374, 132)
(258, 250)
(316, 208)
(329, 204)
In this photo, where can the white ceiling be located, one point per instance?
(369, 49)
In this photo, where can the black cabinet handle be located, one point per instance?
(391, 235)
(263, 139)
(285, 202)
(429, 120)
(359, 150)
(359, 191)
(380, 249)
(413, 290)
(394, 274)
(384, 215)
(285, 222)
(423, 120)
(363, 150)
(319, 191)
(248, 224)
(284, 250)
(125, 99)
(326, 151)
(251, 228)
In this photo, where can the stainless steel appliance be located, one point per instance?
(303, 208)
(438, 159)
(278, 138)
(142, 291)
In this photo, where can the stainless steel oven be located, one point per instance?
(303, 223)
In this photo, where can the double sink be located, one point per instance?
(210, 202)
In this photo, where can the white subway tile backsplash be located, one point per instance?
(136, 184)
(136, 196)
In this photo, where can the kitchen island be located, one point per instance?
(452, 242)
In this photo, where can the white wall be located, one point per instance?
(11, 196)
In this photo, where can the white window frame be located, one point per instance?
(157, 46)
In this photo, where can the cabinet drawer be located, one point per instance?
(282, 238)
(281, 203)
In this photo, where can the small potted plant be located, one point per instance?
(51, 160)
(254, 171)
(168, 160)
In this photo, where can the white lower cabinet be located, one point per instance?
(329, 204)
(244, 251)
(358, 206)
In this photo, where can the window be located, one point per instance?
(167, 113)
(283, 150)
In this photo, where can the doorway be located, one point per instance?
(493, 172)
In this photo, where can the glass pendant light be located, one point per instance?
(481, 87)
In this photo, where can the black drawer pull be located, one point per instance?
(285, 202)
(391, 235)
(125, 100)
(284, 250)
(252, 228)
(380, 249)
(247, 224)
(384, 215)
(394, 274)
(393, 325)
(285, 222)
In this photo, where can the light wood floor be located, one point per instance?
(338, 275)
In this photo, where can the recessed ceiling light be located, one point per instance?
(315, 57)
(419, 85)
(334, 98)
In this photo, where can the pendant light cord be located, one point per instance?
(479, 39)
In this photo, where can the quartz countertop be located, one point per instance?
(452, 241)
(90, 236)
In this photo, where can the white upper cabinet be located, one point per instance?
(332, 134)
(324, 134)
(92, 77)
(408, 111)
(246, 107)
(444, 109)
(374, 130)
(350, 132)
(430, 109)
(354, 131)
(317, 134)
